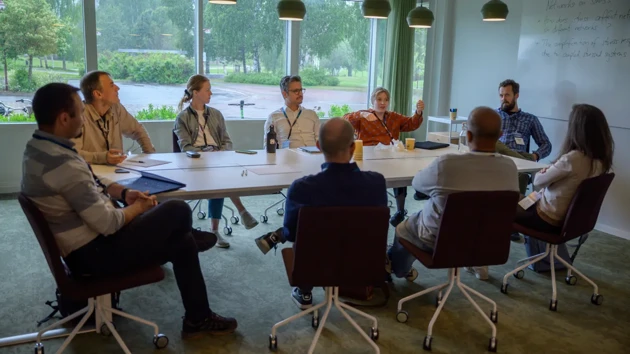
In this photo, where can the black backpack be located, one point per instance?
(66, 307)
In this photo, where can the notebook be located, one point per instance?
(310, 149)
(430, 145)
(151, 182)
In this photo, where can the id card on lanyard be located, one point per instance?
(384, 123)
(286, 143)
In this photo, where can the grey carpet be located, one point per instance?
(244, 283)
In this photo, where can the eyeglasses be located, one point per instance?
(297, 91)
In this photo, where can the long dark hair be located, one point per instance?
(589, 133)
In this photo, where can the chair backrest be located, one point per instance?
(475, 229)
(176, 143)
(585, 205)
(338, 246)
(46, 241)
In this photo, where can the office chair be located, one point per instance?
(92, 288)
(580, 220)
(467, 237)
(357, 259)
(227, 230)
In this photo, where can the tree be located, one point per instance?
(8, 49)
(70, 45)
(324, 27)
(31, 27)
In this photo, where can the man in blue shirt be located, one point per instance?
(340, 183)
(518, 126)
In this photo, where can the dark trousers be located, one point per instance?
(530, 219)
(160, 235)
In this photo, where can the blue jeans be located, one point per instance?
(215, 208)
(401, 259)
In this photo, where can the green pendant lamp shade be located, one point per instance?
(223, 2)
(376, 8)
(420, 17)
(291, 10)
(494, 10)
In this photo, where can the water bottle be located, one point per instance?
(272, 142)
(463, 139)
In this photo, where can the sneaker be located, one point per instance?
(213, 324)
(204, 240)
(397, 218)
(248, 220)
(480, 272)
(516, 237)
(267, 241)
(302, 300)
(221, 242)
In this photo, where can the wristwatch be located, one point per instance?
(123, 195)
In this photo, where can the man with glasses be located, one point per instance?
(295, 126)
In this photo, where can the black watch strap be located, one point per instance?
(123, 195)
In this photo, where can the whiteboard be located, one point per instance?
(575, 51)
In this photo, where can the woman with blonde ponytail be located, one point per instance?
(202, 128)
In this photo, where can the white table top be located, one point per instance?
(220, 174)
(447, 119)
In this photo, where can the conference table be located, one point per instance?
(225, 174)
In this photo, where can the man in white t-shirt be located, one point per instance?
(482, 169)
(295, 126)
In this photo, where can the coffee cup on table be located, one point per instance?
(453, 113)
(410, 143)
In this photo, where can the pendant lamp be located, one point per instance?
(223, 2)
(420, 17)
(495, 10)
(379, 9)
(291, 10)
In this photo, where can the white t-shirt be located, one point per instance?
(203, 127)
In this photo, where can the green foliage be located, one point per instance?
(154, 68)
(337, 111)
(17, 118)
(18, 80)
(253, 78)
(153, 113)
(317, 77)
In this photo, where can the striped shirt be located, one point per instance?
(60, 183)
(379, 131)
(521, 125)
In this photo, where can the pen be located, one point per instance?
(136, 161)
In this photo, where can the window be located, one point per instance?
(245, 52)
(420, 53)
(147, 47)
(334, 55)
(41, 41)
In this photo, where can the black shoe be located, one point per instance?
(204, 240)
(302, 300)
(267, 241)
(420, 196)
(213, 324)
(397, 218)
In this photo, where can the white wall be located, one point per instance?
(485, 53)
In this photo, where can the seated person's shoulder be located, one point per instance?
(373, 177)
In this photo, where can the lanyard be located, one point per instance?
(288, 121)
(203, 129)
(384, 124)
(96, 179)
(105, 131)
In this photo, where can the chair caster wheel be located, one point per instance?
(390, 204)
(374, 334)
(553, 305)
(494, 316)
(160, 341)
(315, 322)
(426, 345)
(264, 219)
(201, 215)
(504, 288)
(412, 275)
(280, 211)
(227, 230)
(519, 275)
(492, 346)
(597, 299)
(402, 316)
(273, 343)
(572, 280)
(39, 348)
(234, 220)
(105, 330)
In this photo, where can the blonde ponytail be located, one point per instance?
(194, 84)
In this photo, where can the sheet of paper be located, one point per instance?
(530, 200)
(141, 162)
(272, 170)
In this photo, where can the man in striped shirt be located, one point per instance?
(94, 236)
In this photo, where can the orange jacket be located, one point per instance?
(375, 132)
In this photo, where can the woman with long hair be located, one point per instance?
(202, 128)
(587, 152)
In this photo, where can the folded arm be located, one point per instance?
(554, 173)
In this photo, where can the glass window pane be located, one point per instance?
(334, 54)
(55, 33)
(420, 52)
(147, 47)
(245, 48)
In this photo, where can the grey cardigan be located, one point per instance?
(187, 129)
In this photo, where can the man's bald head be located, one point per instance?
(485, 123)
(336, 138)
